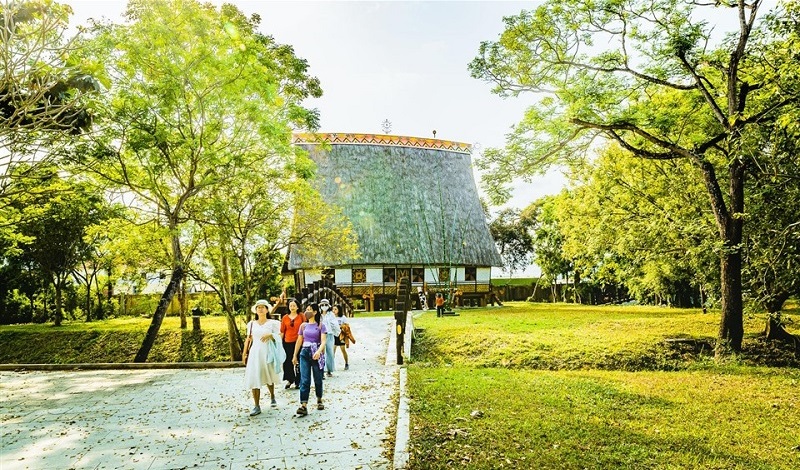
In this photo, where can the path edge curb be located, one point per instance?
(120, 366)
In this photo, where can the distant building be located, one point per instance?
(414, 205)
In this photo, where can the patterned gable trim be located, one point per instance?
(381, 139)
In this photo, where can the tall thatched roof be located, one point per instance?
(410, 200)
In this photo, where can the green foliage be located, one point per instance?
(42, 88)
(17, 308)
(625, 71)
(199, 104)
(512, 238)
(51, 216)
(201, 99)
(548, 239)
(662, 89)
(624, 224)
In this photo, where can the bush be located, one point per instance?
(16, 308)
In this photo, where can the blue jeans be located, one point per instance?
(309, 366)
(330, 350)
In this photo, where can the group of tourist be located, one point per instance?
(301, 345)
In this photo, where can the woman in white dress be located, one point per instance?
(265, 359)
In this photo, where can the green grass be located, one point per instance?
(116, 340)
(566, 336)
(541, 376)
(735, 419)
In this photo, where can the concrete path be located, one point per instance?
(163, 419)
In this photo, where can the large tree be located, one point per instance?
(254, 223)
(196, 94)
(548, 243)
(510, 233)
(772, 238)
(649, 75)
(623, 218)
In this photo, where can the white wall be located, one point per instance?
(375, 275)
(344, 276)
(431, 274)
(313, 275)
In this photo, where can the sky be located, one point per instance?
(405, 62)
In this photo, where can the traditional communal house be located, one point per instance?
(414, 206)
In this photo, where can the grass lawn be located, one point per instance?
(117, 340)
(571, 387)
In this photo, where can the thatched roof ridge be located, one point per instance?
(380, 139)
(408, 205)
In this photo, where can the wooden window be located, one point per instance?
(403, 272)
(471, 273)
(444, 274)
(329, 275)
(359, 275)
(417, 275)
(389, 275)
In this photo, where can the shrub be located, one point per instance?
(16, 308)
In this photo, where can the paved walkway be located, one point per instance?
(177, 418)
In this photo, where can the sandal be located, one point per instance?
(302, 411)
(320, 406)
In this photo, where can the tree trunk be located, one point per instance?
(59, 313)
(85, 280)
(775, 332)
(233, 337)
(88, 305)
(100, 300)
(182, 303)
(702, 298)
(576, 299)
(158, 316)
(248, 289)
(731, 326)
(234, 340)
(729, 224)
(731, 329)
